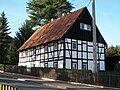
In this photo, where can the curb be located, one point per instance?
(90, 85)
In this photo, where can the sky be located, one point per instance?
(107, 16)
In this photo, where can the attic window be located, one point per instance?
(85, 27)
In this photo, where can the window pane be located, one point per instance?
(74, 45)
(85, 55)
(84, 47)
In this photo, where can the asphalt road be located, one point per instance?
(26, 85)
(24, 82)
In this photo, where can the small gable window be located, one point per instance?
(85, 27)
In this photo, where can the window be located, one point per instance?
(55, 46)
(85, 26)
(84, 66)
(98, 66)
(74, 45)
(74, 66)
(55, 65)
(46, 65)
(33, 65)
(84, 47)
(46, 48)
(81, 26)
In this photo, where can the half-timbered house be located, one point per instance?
(66, 42)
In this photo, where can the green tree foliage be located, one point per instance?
(4, 39)
(42, 11)
(21, 36)
(113, 51)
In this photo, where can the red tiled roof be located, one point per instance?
(52, 31)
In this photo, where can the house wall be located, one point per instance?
(82, 55)
(49, 55)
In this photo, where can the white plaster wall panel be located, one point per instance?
(37, 63)
(84, 41)
(42, 56)
(19, 59)
(55, 54)
(42, 64)
(101, 50)
(85, 55)
(79, 41)
(74, 60)
(79, 47)
(60, 53)
(46, 56)
(42, 50)
(90, 49)
(60, 64)
(79, 55)
(30, 59)
(90, 65)
(21, 64)
(68, 46)
(101, 45)
(84, 47)
(102, 65)
(38, 57)
(84, 60)
(50, 55)
(90, 55)
(79, 64)
(90, 43)
(19, 54)
(74, 40)
(74, 54)
(29, 64)
(102, 57)
(51, 48)
(68, 40)
(60, 46)
(68, 53)
(37, 52)
(50, 64)
(68, 64)
(33, 57)
(26, 60)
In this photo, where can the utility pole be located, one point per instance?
(94, 38)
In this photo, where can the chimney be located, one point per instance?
(64, 14)
(52, 19)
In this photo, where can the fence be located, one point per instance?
(8, 87)
(108, 79)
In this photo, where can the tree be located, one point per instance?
(113, 51)
(21, 36)
(4, 39)
(42, 11)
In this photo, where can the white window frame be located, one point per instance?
(85, 26)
